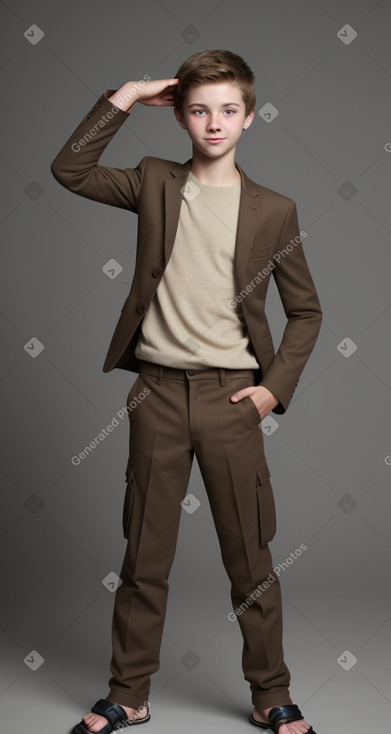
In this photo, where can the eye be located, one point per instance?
(194, 112)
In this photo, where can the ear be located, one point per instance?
(180, 118)
(248, 120)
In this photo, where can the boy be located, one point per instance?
(195, 330)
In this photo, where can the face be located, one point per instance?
(214, 112)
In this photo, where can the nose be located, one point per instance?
(214, 122)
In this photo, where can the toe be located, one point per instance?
(295, 727)
(89, 720)
(93, 722)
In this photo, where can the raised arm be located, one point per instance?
(76, 166)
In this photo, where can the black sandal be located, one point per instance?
(116, 715)
(280, 715)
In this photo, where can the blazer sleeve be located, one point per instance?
(76, 165)
(302, 309)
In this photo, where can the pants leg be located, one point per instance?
(229, 448)
(158, 471)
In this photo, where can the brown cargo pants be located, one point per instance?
(186, 412)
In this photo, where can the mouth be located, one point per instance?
(214, 140)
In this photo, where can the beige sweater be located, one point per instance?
(189, 323)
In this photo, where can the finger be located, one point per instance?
(239, 395)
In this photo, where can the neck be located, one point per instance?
(213, 171)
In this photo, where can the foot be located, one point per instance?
(95, 722)
(295, 727)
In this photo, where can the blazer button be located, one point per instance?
(142, 307)
(156, 272)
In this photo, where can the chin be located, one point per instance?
(212, 150)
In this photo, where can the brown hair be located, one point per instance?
(214, 66)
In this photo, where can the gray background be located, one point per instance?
(60, 523)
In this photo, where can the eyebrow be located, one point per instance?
(225, 104)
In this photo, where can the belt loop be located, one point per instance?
(223, 381)
(160, 376)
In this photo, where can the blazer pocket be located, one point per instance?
(128, 499)
(261, 252)
(266, 505)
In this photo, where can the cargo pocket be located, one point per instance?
(266, 505)
(128, 499)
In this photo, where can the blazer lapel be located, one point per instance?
(249, 208)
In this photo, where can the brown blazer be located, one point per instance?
(267, 224)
